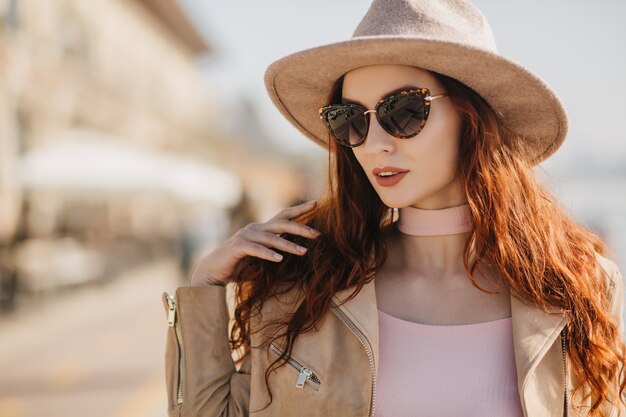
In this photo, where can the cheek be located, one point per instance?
(357, 155)
(362, 161)
(439, 156)
(442, 141)
(439, 166)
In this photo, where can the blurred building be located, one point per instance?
(112, 148)
(125, 67)
(120, 69)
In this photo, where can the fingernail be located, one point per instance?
(301, 249)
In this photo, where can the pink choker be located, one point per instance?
(423, 222)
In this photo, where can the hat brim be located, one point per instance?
(298, 84)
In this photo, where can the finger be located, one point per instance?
(288, 226)
(293, 211)
(274, 241)
(260, 251)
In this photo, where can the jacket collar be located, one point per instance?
(534, 331)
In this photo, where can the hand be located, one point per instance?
(254, 239)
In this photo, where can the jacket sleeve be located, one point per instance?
(201, 377)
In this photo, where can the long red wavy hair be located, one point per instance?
(519, 228)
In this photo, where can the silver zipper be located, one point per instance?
(563, 336)
(368, 349)
(304, 373)
(173, 322)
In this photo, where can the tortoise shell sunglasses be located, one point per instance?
(402, 114)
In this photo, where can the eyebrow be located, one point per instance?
(397, 90)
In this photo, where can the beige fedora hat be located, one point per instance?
(451, 37)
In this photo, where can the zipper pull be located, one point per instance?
(171, 314)
(304, 374)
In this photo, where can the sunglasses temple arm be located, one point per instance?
(431, 98)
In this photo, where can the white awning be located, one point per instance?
(86, 161)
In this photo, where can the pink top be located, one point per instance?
(463, 370)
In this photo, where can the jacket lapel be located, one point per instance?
(363, 313)
(534, 332)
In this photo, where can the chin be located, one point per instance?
(396, 202)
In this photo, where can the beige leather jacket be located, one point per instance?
(332, 372)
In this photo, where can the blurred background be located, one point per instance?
(137, 134)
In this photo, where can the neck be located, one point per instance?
(431, 242)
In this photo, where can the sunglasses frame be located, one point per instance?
(427, 98)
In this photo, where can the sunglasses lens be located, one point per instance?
(405, 115)
(347, 123)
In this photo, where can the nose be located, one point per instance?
(377, 139)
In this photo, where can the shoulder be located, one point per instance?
(615, 290)
(606, 263)
(283, 300)
(613, 276)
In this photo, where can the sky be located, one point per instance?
(577, 47)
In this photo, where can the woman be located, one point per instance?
(480, 298)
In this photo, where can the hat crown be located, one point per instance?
(445, 20)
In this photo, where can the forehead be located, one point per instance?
(371, 83)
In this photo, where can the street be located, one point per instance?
(96, 351)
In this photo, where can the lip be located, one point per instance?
(376, 171)
(392, 180)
